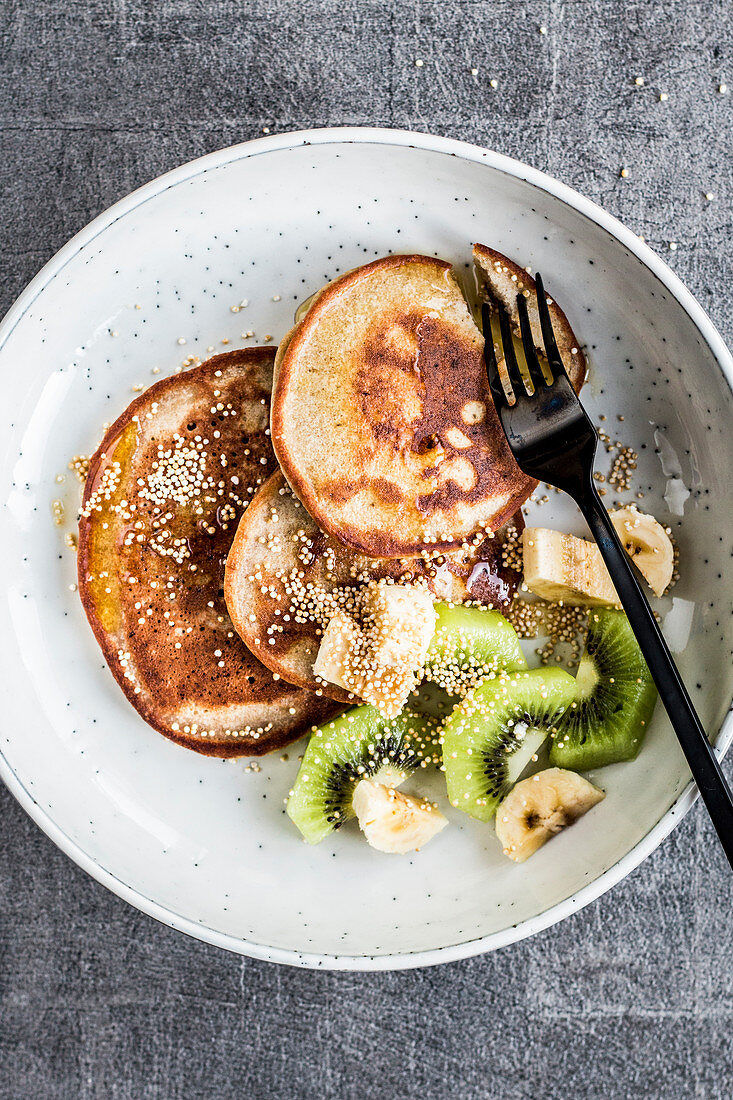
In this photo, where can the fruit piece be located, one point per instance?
(400, 621)
(647, 544)
(360, 744)
(616, 697)
(539, 807)
(378, 658)
(339, 641)
(563, 567)
(492, 735)
(468, 645)
(395, 822)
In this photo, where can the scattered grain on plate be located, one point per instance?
(80, 465)
(494, 83)
(622, 468)
(419, 63)
(663, 97)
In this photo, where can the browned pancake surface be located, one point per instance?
(382, 417)
(282, 568)
(161, 504)
(500, 280)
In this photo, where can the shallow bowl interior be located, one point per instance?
(204, 844)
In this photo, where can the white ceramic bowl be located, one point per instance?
(201, 844)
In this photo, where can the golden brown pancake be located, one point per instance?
(283, 575)
(500, 280)
(160, 508)
(382, 418)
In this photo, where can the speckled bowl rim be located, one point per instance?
(708, 332)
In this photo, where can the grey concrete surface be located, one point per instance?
(629, 998)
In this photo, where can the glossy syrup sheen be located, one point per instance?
(106, 531)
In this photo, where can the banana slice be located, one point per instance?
(339, 641)
(563, 567)
(394, 822)
(647, 544)
(378, 657)
(539, 807)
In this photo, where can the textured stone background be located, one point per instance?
(631, 997)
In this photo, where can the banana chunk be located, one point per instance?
(333, 660)
(647, 544)
(394, 822)
(378, 657)
(563, 567)
(402, 622)
(539, 807)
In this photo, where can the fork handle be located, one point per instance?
(700, 755)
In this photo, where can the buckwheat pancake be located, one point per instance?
(500, 280)
(160, 508)
(285, 577)
(382, 418)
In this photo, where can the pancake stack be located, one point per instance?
(211, 554)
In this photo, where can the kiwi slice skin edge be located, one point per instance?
(470, 641)
(359, 744)
(493, 725)
(616, 697)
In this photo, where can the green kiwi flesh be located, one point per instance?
(493, 734)
(360, 744)
(616, 696)
(469, 644)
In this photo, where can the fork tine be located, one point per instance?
(530, 354)
(492, 367)
(548, 334)
(510, 358)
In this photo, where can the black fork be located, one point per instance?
(553, 440)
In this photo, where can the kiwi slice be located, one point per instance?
(360, 744)
(469, 644)
(616, 696)
(492, 735)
